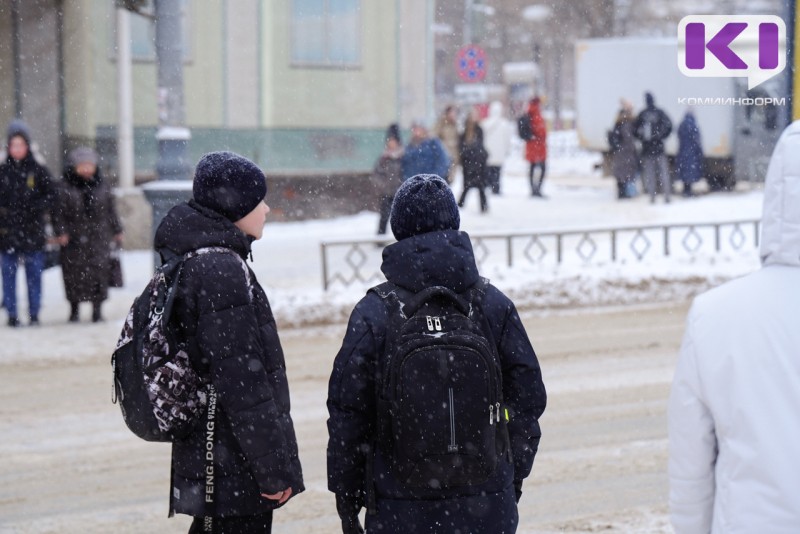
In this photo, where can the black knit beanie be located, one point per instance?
(423, 203)
(229, 184)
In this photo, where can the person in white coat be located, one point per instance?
(734, 407)
(497, 132)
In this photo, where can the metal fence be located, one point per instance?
(349, 262)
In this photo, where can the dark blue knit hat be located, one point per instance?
(229, 184)
(423, 203)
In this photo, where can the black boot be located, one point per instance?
(73, 312)
(13, 322)
(96, 315)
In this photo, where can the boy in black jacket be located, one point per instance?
(224, 316)
(430, 252)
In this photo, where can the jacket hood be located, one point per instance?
(442, 258)
(495, 115)
(190, 226)
(780, 223)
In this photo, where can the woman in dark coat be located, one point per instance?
(689, 161)
(87, 222)
(225, 319)
(473, 157)
(625, 159)
(430, 252)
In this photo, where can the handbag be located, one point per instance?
(115, 267)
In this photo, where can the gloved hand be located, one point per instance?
(517, 490)
(348, 508)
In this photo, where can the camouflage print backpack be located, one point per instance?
(159, 392)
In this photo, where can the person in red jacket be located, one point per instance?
(536, 146)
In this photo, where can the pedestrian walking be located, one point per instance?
(223, 317)
(372, 426)
(536, 147)
(652, 127)
(446, 130)
(689, 161)
(27, 199)
(733, 423)
(497, 132)
(387, 174)
(624, 158)
(424, 154)
(473, 160)
(86, 222)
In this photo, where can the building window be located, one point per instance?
(326, 33)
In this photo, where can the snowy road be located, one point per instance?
(70, 466)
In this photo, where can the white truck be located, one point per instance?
(738, 129)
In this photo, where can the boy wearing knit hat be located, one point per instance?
(431, 254)
(225, 320)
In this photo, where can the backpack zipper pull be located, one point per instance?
(438, 324)
(497, 407)
(430, 323)
(491, 414)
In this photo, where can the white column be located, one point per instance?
(124, 101)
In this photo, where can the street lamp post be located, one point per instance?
(173, 185)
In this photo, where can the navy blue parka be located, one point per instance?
(442, 258)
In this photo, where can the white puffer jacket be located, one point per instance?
(734, 408)
(497, 132)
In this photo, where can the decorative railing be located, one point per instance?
(349, 262)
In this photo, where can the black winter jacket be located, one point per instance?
(652, 127)
(437, 258)
(27, 195)
(233, 340)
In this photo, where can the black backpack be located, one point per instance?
(441, 421)
(159, 392)
(524, 128)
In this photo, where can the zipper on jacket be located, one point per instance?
(429, 320)
(437, 322)
(452, 447)
(491, 414)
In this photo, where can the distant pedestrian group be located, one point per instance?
(478, 149)
(650, 128)
(76, 215)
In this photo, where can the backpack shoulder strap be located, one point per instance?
(475, 294)
(393, 296)
(224, 250)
